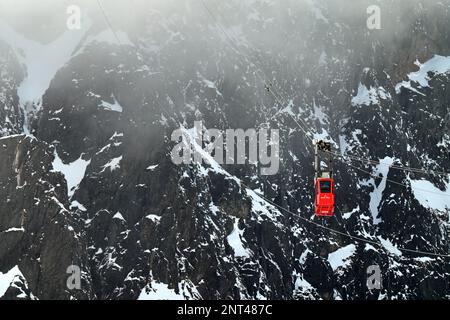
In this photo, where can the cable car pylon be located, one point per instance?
(323, 179)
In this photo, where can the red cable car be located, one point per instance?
(324, 183)
(324, 203)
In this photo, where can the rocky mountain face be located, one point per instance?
(87, 180)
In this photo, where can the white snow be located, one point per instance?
(214, 209)
(209, 84)
(152, 167)
(377, 194)
(301, 283)
(303, 256)
(59, 204)
(261, 206)
(387, 244)
(119, 216)
(42, 61)
(10, 136)
(347, 145)
(319, 114)
(76, 204)
(73, 172)
(341, 257)
(115, 106)
(235, 241)
(424, 259)
(445, 142)
(116, 135)
(367, 96)
(429, 196)
(355, 134)
(347, 215)
(324, 135)
(155, 218)
(370, 247)
(113, 164)
(438, 65)
(159, 291)
(337, 295)
(14, 230)
(7, 278)
(343, 144)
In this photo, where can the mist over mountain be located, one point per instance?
(87, 178)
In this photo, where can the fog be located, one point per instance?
(45, 19)
(293, 29)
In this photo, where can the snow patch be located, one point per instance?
(301, 283)
(14, 230)
(76, 205)
(324, 135)
(445, 142)
(341, 257)
(259, 205)
(153, 217)
(424, 259)
(73, 172)
(429, 196)
(382, 169)
(303, 256)
(7, 278)
(389, 246)
(438, 65)
(41, 61)
(115, 106)
(369, 247)
(113, 164)
(319, 114)
(159, 291)
(347, 215)
(235, 241)
(119, 216)
(369, 96)
(214, 209)
(152, 167)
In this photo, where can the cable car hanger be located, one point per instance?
(323, 180)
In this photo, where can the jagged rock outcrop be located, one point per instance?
(37, 232)
(95, 186)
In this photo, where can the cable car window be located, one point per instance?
(325, 186)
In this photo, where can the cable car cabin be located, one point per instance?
(324, 197)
